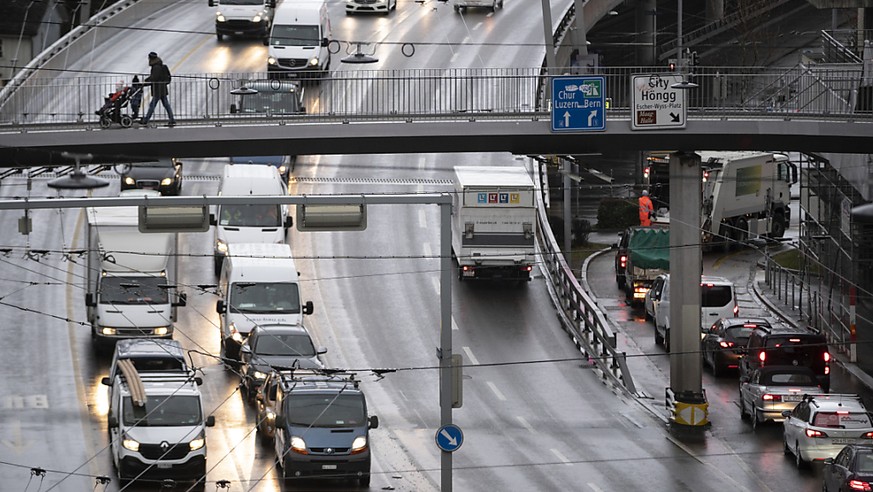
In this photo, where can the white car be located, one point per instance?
(488, 4)
(370, 6)
(821, 425)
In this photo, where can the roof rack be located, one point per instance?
(318, 375)
(834, 397)
(135, 380)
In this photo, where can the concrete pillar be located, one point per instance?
(689, 407)
(646, 33)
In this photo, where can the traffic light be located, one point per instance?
(694, 59)
(671, 65)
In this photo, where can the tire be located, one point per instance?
(667, 340)
(756, 420)
(785, 449)
(126, 121)
(778, 225)
(741, 233)
(716, 372)
(500, 4)
(219, 36)
(659, 340)
(743, 414)
(620, 282)
(364, 481)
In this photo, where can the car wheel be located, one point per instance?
(798, 458)
(364, 481)
(743, 414)
(756, 419)
(667, 339)
(219, 36)
(620, 282)
(785, 449)
(713, 364)
(659, 340)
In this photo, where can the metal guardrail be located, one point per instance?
(361, 95)
(579, 314)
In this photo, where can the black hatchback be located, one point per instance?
(726, 339)
(852, 469)
(787, 346)
(163, 175)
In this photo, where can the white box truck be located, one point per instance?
(243, 17)
(298, 42)
(258, 285)
(493, 222)
(129, 277)
(745, 194)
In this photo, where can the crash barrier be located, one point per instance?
(821, 310)
(74, 46)
(820, 92)
(579, 315)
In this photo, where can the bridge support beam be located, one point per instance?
(689, 413)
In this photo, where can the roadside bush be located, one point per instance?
(617, 214)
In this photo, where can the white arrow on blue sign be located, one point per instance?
(578, 103)
(449, 438)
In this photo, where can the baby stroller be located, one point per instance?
(115, 104)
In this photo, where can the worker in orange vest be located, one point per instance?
(646, 209)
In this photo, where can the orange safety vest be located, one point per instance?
(646, 208)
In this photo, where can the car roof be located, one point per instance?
(782, 369)
(281, 329)
(730, 322)
(272, 85)
(837, 401)
(787, 331)
(132, 347)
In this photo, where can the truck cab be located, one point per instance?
(251, 18)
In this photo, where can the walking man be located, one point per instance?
(159, 77)
(646, 209)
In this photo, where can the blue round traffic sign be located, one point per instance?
(449, 438)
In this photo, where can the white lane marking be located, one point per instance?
(686, 449)
(525, 423)
(560, 456)
(629, 418)
(594, 487)
(421, 162)
(496, 391)
(473, 359)
(422, 221)
(436, 284)
(454, 325)
(403, 395)
(427, 251)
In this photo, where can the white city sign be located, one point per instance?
(655, 104)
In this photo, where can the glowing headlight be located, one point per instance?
(166, 181)
(108, 331)
(359, 445)
(282, 169)
(298, 445)
(129, 181)
(219, 17)
(197, 443)
(257, 18)
(235, 334)
(313, 62)
(221, 246)
(259, 375)
(271, 415)
(271, 61)
(161, 330)
(130, 444)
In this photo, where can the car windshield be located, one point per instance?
(715, 295)
(293, 345)
(864, 463)
(161, 163)
(789, 379)
(250, 216)
(842, 420)
(270, 102)
(264, 298)
(738, 334)
(133, 290)
(325, 410)
(162, 411)
(158, 364)
(806, 351)
(292, 35)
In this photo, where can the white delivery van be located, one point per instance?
(258, 286)
(249, 223)
(493, 5)
(298, 42)
(243, 17)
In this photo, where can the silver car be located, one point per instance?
(822, 425)
(772, 390)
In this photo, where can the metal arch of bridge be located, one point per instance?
(519, 135)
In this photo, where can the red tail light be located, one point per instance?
(726, 344)
(769, 397)
(736, 310)
(466, 268)
(527, 268)
(827, 370)
(762, 356)
(868, 435)
(827, 357)
(859, 485)
(815, 433)
(623, 260)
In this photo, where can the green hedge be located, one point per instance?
(617, 214)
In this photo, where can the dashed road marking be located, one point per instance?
(560, 456)
(496, 391)
(470, 356)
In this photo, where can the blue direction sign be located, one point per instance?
(449, 438)
(578, 103)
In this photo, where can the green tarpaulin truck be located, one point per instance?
(642, 254)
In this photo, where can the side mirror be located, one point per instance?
(212, 3)
(113, 421)
(307, 308)
(220, 307)
(302, 110)
(183, 300)
(321, 350)
(373, 422)
(289, 221)
(210, 421)
(89, 299)
(198, 380)
(280, 422)
(828, 461)
(786, 413)
(267, 41)
(212, 220)
(272, 4)
(325, 42)
(233, 109)
(105, 381)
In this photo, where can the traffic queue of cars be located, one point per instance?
(316, 418)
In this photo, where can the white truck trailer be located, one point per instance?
(745, 194)
(493, 222)
(129, 291)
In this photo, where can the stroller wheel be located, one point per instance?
(105, 122)
(126, 121)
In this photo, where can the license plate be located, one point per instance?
(792, 398)
(842, 441)
(328, 467)
(470, 273)
(164, 466)
(238, 33)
